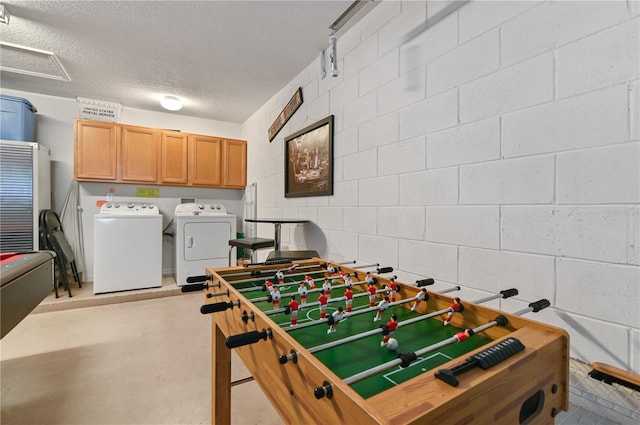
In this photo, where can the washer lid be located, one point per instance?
(129, 208)
(195, 208)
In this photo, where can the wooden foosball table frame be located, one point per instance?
(530, 387)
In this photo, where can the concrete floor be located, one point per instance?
(143, 362)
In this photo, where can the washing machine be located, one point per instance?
(202, 234)
(127, 247)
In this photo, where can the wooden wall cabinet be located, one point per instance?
(234, 164)
(174, 158)
(121, 153)
(205, 158)
(96, 151)
(140, 147)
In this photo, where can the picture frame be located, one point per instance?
(308, 160)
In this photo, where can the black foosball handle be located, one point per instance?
(384, 270)
(485, 359)
(252, 337)
(508, 293)
(194, 287)
(425, 282)
(217, 307)
(198, 279)
(539, 305)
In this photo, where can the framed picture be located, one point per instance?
(308, 160)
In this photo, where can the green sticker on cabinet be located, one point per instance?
(147, 192)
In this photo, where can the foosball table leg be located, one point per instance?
(221, 369)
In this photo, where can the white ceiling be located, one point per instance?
(224, 58)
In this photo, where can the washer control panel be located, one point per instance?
(133, 208)
(195, 208)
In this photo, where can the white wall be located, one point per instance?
(499, 148)
(55, 130)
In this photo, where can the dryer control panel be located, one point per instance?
(200, 209)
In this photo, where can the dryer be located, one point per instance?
(202, 234)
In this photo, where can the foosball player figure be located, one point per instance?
(292, 308)
(422, 296)
(333, 269)
(275, 297)
(268, 286)
(371, 289)
(280, 276)
(348, 295)
(309, 281)
(322, 301)
(326, 287)
(453, 309)
(293, 267)
(393, 289)
(388, 329)
(302, 291)
(348, 281)
(382, 306)
(334, 319)
(370, 279)
(461, 336)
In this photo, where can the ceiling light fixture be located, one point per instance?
(171, 103)
(4, 14)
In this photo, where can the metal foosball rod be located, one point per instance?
(259, 274)
(312, 291)
(331, 300)
(354, 313)
(405, 359)
(503, 295)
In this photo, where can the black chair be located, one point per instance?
(250, 243)
(53, 238)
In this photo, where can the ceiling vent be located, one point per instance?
(28, 61)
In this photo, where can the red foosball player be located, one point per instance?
(422, 296)
(275, 297)
(309, 281)
(393, 289)
(302, 291)
(348, 295)
(388, 329)
(453, 308)
(268, 286)
(323, 300)
(382, 306)
(280, 277)
(326, 287)
(293, 310)
(461, 336)
(371, 289)
(293, 267)
(334, 319)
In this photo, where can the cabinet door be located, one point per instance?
(96, 151)
(234, 164)
(205, 155)
(173, 158)
(140, 154)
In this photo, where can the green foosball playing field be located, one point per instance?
(362, 354)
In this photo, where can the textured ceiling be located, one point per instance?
(224, 58)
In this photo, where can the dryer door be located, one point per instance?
(206, 240)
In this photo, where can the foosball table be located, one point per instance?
(339, 343)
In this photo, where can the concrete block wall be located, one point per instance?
(498, 147)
